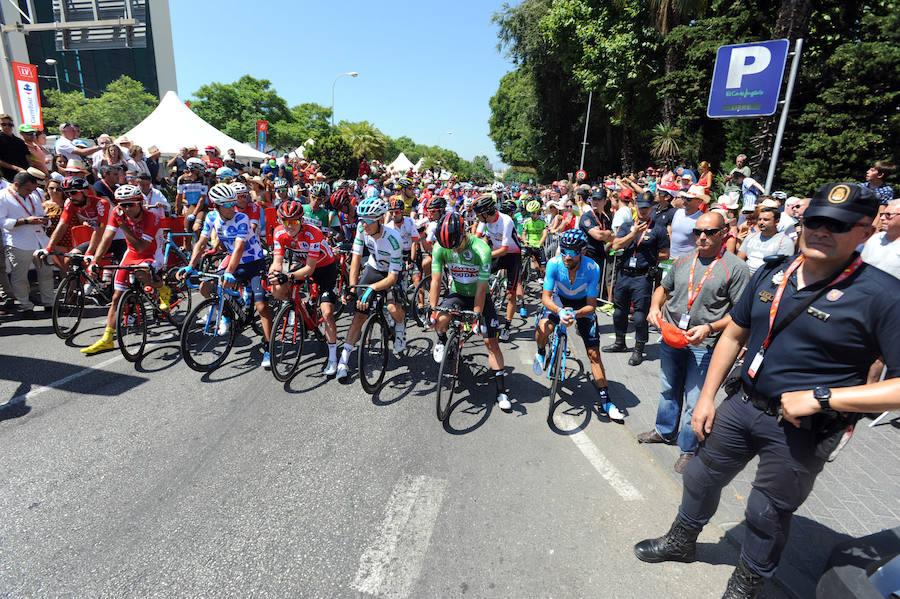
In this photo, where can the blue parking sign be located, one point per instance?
(747, 80)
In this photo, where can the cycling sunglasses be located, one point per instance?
(369, 221)
(814, 223)
(291, 222)
(709, 232)
(570, 253)
(227, 205)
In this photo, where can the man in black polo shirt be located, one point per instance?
(643, 245)
(598, 228)
(13, 151)
(105, 187)
(834, 315)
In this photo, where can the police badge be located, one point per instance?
(778, 277)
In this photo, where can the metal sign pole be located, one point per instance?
(795, 63)
(587, 118)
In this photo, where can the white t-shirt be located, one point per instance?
(622, 215)
(682, 241)
(500, 233)
(407, 231)
(883, 254)
(65, 147)
(756, 248)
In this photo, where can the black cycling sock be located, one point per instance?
(603, 392)
(442, 337)
(498, 380)
(542, 351)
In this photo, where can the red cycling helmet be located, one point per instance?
(451, 230)
(290, 210)
(396, 204)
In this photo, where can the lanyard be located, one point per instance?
(642, 236)
(773, 310)
(692, 292)
(30, 202)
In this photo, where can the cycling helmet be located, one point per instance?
(73, 184)
(467, 203)
(80, 143)
(239, 187)
(221, 193)
(372, 208)
(439, 203)
(126, 194)
(508, 207)
(573, 239)
(289, 209)
(342, 184)
(319, 190)
(226, 172)
(195, 164)
(485, 204)
(451, 231)
(498, 187)
(396, 204)
(280, 184)
(779, 195)
(533, 206)
(340, 200)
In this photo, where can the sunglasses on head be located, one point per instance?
(570, 253)
(709, 232)
(833, 226)
(227, 205)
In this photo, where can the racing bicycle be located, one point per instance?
(463, 324)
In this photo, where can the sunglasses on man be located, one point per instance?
(708, 232)
(815, 223)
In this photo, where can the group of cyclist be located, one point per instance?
(458, 233)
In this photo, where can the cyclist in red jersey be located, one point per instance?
(245, 206)
(81, 206)
(308, 245)
(140, 228)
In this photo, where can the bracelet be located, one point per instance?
(711, 329)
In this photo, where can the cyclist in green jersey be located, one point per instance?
(315, 213)
(534, 236)
(468, 259)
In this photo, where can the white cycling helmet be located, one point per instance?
(195, 164)
(372, 208)
(498, 187)
(126, 194)
(222, 193)
(239, 187)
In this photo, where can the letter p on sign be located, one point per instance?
(748, 60)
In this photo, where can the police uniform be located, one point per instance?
(634, 284)
(832, 343)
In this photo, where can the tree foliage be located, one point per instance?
(234, 108)
(123, 104)
(364, 139)
(334, 156)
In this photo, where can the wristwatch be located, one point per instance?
(823, 396)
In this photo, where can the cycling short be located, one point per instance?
(536, 252)
(251, 273)
(455, 301)
(325, 278)
(122, 281)
(370, 276)
(587, 326)
(512, 264)
(117, 248)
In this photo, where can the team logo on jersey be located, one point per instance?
(467, 254)
(834, 295)
(778, 277)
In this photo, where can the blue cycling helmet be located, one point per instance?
(573, 239)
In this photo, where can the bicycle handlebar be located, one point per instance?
(210, 276)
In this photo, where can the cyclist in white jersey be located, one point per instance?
(409, 235)
(499, 231)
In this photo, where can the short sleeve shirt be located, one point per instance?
(467, 268)
(231, 231)
(385, 252)
(407, 230)
(145, 227)
(94, 213)
(645, 248)
(589, 220)
(309, 243)
(65, 147)
(885, 193)
(756, 248)
(585, 286)
(683, 224)
(500, 234)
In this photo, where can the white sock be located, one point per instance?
(332, 352)
(345, 353)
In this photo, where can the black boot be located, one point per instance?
(618, 347)
(744, 583)
(638, 356)
(679, 545)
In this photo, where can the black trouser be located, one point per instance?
(784, 478)
(632, 288)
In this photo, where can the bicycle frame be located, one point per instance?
(221, 293)
(557, 337)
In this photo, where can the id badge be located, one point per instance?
(755, 364)
(684, 322)
(632, 262)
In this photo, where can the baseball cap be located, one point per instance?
(643, 202)
(672, 335)
(600, 194)
(26, 128)
(846, 202)
(626, 194)
(696, 191)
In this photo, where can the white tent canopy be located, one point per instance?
(172, 126)
(401, 163)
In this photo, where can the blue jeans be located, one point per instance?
(682, 372)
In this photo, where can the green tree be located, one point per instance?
(123, 104)
(364, 139)
(334, 156)
(514, 122)
(307, 121)
(234, 108)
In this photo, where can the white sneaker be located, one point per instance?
(224, 325)
(266, 361)
(330, 368)
(341, 371)
(438, 352)
(88, 288)
(613, 412)
(399, 337)
(503, 402)
(504, 334)
(538, 364)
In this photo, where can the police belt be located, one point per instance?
(764, 403)
(634, 272)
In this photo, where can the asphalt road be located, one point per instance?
(152, 480)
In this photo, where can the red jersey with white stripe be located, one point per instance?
(309, 243)
(146, 226)
(94, 213)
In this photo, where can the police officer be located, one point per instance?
(833, 316)
(643, 244)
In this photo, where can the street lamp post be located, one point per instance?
(351, 74)
(51, 62)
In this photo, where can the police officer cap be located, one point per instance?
(645, 200)
(600, 194)
(846, 202)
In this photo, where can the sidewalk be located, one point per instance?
(856, 495)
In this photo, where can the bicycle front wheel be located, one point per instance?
(420, 302)
(202, 347)
(68, 306)
(555, 376)
(286, 342)
(447, 376)
(131, 325)
(181, 300)
(373, 353)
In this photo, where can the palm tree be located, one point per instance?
(364, 139)
(664, 144)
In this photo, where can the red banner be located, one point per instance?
(25, 76)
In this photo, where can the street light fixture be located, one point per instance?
(51, 62)
(350, 74)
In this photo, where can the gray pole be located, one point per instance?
(56, 76)
(795, 64)
(587, 118)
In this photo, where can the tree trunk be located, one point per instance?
(668, 107)
(627, 153)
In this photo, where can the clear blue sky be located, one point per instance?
(425, 68)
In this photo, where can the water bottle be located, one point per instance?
(245, 294)
(390, 320)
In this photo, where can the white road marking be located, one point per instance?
(610, 473)
(38, 389)
(391, 563)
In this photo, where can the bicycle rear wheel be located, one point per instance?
(373, 353)
(68, 306)
(421, 293)
(182, 298)
(286, 342)
(447, 376)
(202, 347)
(555, 376)
(131, 325)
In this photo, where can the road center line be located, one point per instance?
(38, 389)
(610, 473)
(391, 563)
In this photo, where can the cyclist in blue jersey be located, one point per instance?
(246, 264)
(574, 282)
